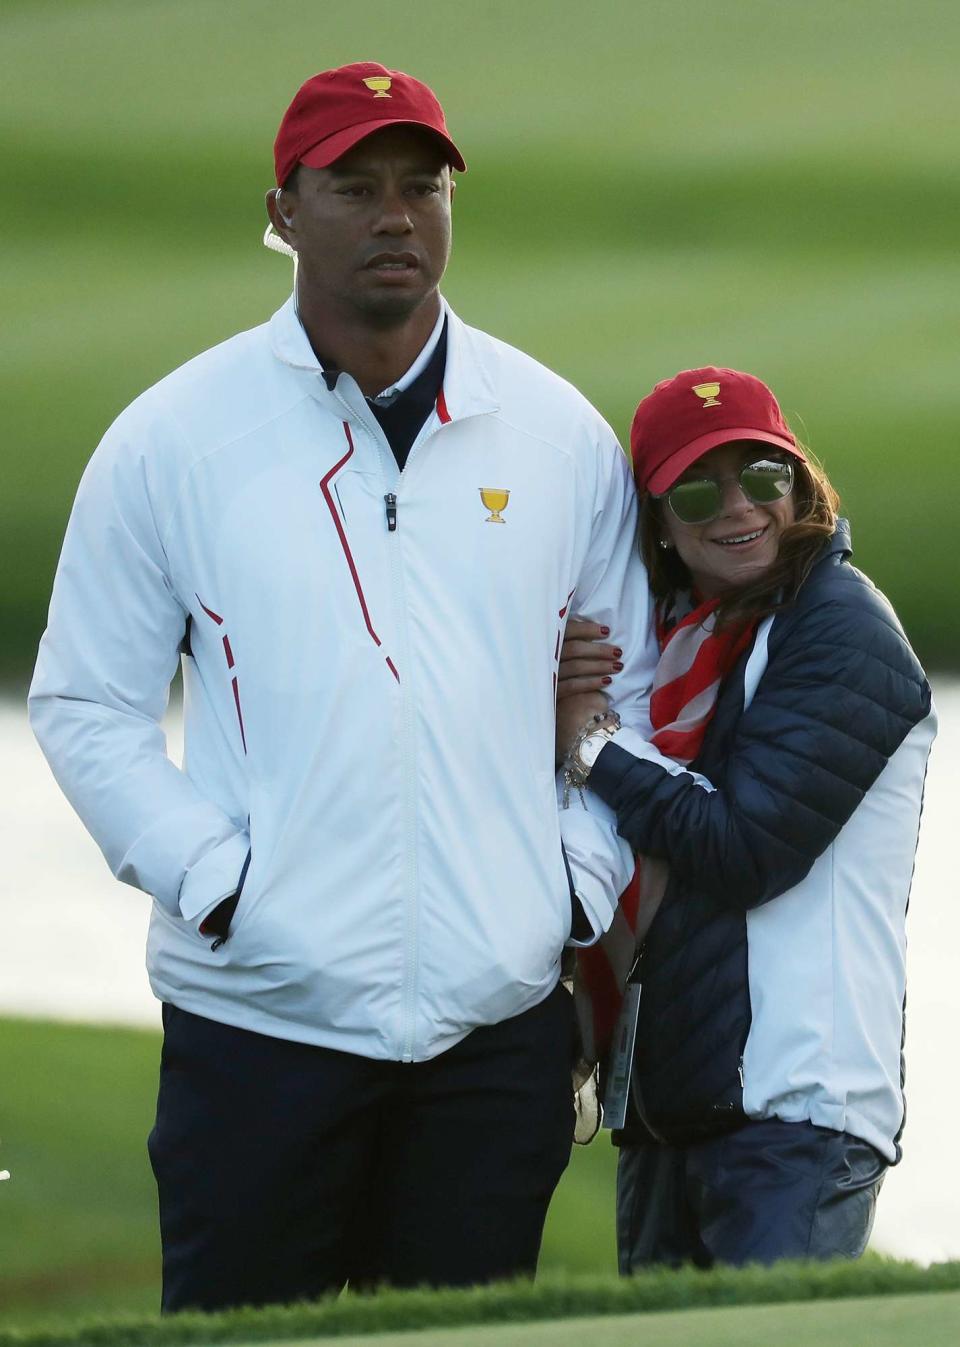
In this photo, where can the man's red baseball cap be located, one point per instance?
(334, 110)
(694, 412)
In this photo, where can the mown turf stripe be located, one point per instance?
(880, 1321)
(510, 1302)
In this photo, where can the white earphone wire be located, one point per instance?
(273, 241)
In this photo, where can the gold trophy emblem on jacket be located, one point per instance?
(495, 499)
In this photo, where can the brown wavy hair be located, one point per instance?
(815, 505)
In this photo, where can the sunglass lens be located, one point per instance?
(695, 502)
(767, 480)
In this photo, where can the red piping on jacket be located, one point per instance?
(442, 412)
(236, 698)
(228, 654)
(341, 534)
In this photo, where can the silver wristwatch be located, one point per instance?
(587, 751)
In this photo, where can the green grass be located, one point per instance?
(893, 1322)
(774, 188)
(879, 1292)
(78, 1222)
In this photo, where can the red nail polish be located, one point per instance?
(617, 652)
(606, 680)
(617, 667)
(604, 631)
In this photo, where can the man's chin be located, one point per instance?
(390, 310)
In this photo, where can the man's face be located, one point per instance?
(372, 231)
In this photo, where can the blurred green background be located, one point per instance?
(652, 186)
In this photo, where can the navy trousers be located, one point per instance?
(285, 1171)
(770, 1190)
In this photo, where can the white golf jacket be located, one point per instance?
(369, 701)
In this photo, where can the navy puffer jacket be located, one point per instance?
(840, 694)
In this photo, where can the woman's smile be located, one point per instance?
(742, 539)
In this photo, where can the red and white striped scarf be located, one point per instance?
(694, 660)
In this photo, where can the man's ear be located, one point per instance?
(280, 203)
(278, 211)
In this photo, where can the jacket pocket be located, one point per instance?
(218, 922)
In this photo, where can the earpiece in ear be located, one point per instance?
(287, 219)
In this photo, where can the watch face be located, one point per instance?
(590, 749)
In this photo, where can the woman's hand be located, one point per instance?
(574, 713)
(586, 664)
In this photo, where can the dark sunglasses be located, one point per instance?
(700, 499)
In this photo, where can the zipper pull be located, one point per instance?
(391, 502)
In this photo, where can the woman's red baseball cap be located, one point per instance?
(694, 412)
(334, 110)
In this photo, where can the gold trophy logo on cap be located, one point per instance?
(378, 85)
(709, 394)
(495, 499)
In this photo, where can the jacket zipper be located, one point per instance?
(408, 768)
(412, 921)
(408, 755)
